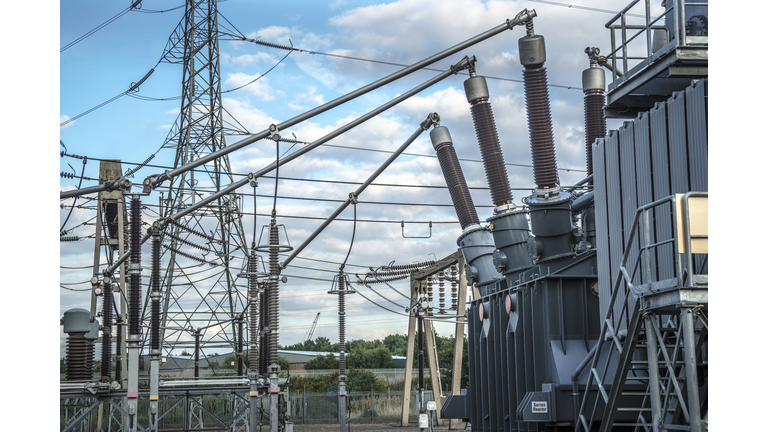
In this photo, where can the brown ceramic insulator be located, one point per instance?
(118, 351)
(457, 186)
(454, 288)
(77, 358)
(240, 346)
(197, 355)
(441, 289)
(540, 128)
(594, 122)
(106, 346)
(134, 299)
(342, 328)
(263, 340)
(253, 294)
(274, 299)
(89, 359)
(414, 266)
(155, 317)
(490, 150)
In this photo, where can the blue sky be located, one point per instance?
(106, 63)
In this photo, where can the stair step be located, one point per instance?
(646, 345)
(680, 378)
(641, 409)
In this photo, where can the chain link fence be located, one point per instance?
(181, 410)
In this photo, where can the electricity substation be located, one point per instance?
(585, 306)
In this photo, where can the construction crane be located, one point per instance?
(312, 329)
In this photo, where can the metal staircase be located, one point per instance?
(663, 384)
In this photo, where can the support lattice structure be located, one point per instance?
(202, 250)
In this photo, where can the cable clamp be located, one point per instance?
(273, 132)
(352, 198)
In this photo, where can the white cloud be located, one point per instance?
(62, 119)
(256, 85)
(312, 98)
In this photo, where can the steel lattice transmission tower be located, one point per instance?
(203, 250)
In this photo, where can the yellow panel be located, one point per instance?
(254, 393)
(154, 397)
(699, 222)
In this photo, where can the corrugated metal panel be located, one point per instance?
(628, 176)
(696, 119)
(628, 190)
(601, 223)
(678, 149)
(662, 188)
(615, 219)
(644, 181)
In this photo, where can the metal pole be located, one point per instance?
(134, 315)
(653, 374)
(692, 380)
(154, 352)
(420, 399)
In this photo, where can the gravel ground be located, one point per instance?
(388, 426)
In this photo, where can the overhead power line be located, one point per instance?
(572, 6)
(292, 48)
(135, 4)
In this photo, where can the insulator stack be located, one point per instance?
(532, 57)
(77, 358)
(342, 328)
(155, 318)
(106, 335)
(476, 90)
(256, 300)
(118, 351)
(454, 178)
(412, 267)
(76, 324)
(593, 83)
(274, 271)
(90, 339)
(454, 287)
(240, 346)
(441, 287)
(197, 354)
(135, 269)
(263, 329)
(429, 288)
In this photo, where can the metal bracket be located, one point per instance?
(274, 132)
(402, 228)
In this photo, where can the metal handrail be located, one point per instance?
(678, 13)
(625, 277)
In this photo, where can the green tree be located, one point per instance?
(364, 380)
(376, 358)
(328, 361)
(396, 344)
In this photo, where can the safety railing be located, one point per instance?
(674, 17)
(689, 237)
